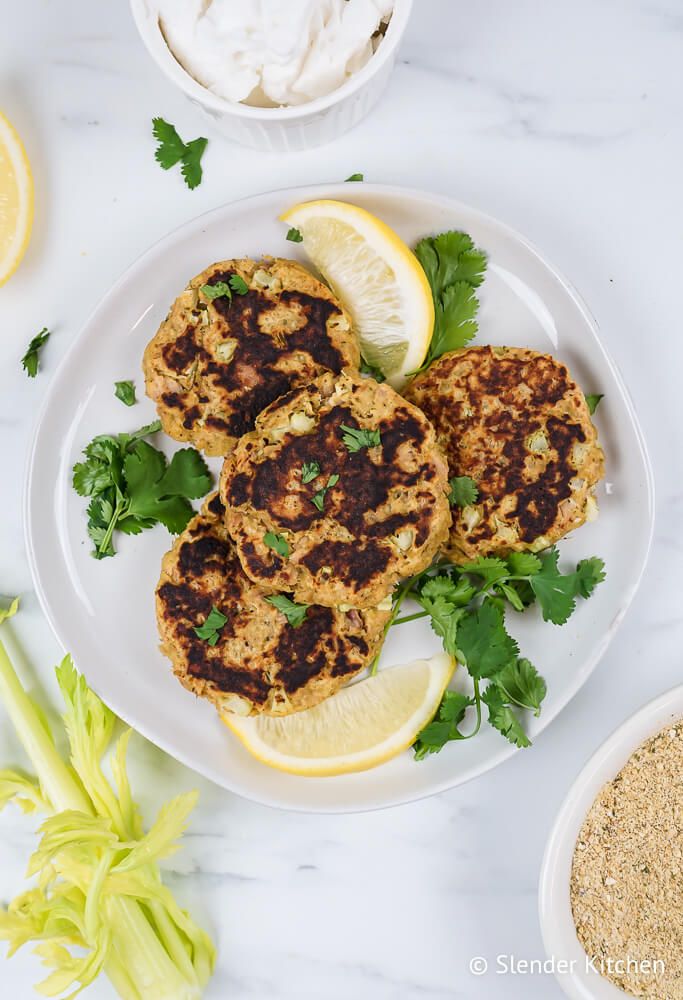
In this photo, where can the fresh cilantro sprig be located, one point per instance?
(356, 438)
(132, 487)
(455, 268)
(294, 613)
(278, 543)
(318, 499)
(463, 491)
(125, 391)
(224, 289)
(171, 150)
(210, 631)
(31, 359)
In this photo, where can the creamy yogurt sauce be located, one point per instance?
(273, 52)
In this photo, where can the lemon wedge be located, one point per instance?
(377, 277)
(16, 200)
(361, 726)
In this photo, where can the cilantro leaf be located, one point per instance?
(219, 290)
(522, 684)
(294, 236)
(484, 642)
(355, 177)
(211, 629)
(444, 727)
(278, 543)
(555, 593)
(309, 472)
(191, 167)
(318, 499)
(489, 568)
(31, 359)
(238, 284)
(372, 370)
(187, 475)
(356, 438)
(454, 268)
(502, 717)
(294, 613)
(593, 401)
(161, 492)
(172, 150)
(463, 491)
(457, 592)
(523, 563)
(589, 573)
(445, 616)
(125, 391)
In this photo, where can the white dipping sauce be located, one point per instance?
(272, 52)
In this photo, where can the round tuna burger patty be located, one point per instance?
(216, 362)
(338, 493)
(259, 662)
(513, 421)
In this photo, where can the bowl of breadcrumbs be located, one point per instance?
(611, 884)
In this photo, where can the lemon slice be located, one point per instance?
(16, 200)
(358, 728)
(376, 276)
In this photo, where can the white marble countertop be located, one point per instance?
(566, 121)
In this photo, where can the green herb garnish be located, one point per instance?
(356, 438)
(125, 391)
(172, 150)
(238, 284)
(367, 369)
(133, 487)
(294, 236)
(294, 613)
(455, 268)
(355, 177)
(593, 401)
(463, 491)
(31, 360)
(278, 543)
(224, 289)
(211, 629)
(318, 500)
(309, 471)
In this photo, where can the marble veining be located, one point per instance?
(563, 120)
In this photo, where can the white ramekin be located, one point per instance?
(281, 129)
(562, 946)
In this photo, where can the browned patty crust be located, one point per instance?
(382, 520)
(214, 364)
(260, 663)
(515, 422)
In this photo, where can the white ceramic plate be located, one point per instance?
(577, 979)
(103, 612)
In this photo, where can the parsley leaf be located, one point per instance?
(31, 360)
(171, 150)
(593, 400)
(455, 268)
(278, 543)
(355, 177)
(444, 727)
(356, 438)
(372, 370)
(318, 499)
(125, 391)
(309, 472)
(210, 630)
(238, 284)
(463, 491)
(522, 684)
(484, 642)
(294, 613)
(294, 236)
(219, 290)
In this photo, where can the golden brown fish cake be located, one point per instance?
(214, 364)
(260, 663)
(513, 421)
(382, 519)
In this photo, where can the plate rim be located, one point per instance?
(340, 191)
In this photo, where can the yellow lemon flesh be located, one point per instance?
(378, 279)
(361, 726)
(16, 200)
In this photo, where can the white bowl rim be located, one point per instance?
(148, 27)
(554, 909)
